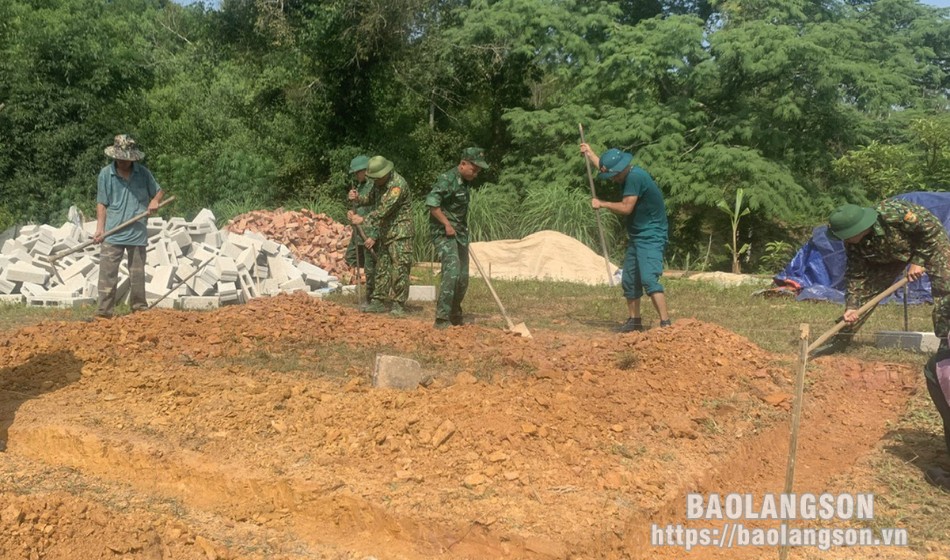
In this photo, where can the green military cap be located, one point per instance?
(850, 220)
(358, 163)
(378, 167)
(476, 156)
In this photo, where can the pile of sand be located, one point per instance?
(545, 255)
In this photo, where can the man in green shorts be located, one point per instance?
(647, 232)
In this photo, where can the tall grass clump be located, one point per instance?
(568, 211)
(493, 213)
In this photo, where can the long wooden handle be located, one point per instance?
(478, 265)
(864, 309)
(600, 227)
(119, 227)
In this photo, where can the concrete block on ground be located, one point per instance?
(205, 215)
(916, 341)
(247, 258)
(278, 268)
(226, 269)
(294, 285)
(197, 303)
(154, 225)
(163, 275)
(11, 299)
(200, 287)
(61, 302)
(73, 287)
(394, 372)
(246, 284)
(422, 293)
(180, 238)
(81, 267)
(268, 287)
(270, 248)
(6, 286)
(10, 246)
(26, 272)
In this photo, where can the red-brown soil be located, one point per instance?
(254, 432)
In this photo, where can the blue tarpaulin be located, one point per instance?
(819, 266)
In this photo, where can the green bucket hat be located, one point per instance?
(358, 163)
(124, 147)
(850, 220)
(476, 156)
(378, 166)
(613, 161)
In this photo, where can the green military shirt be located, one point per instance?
(904, 233)
(392, 217)
(450, 193)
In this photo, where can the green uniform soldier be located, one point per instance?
(448, 222)
(879, 243)
(392, 223)
(363, 197)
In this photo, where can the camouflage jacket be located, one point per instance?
(392, 217)
(450, 193)
(904, 233)
(367, 201)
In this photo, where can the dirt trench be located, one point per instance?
(253, 432)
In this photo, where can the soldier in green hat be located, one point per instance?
(448, 222)
(391, 222)
(363, 197)
(880, 243)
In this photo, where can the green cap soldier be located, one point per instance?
(391, 222)
(448, 203)
(363, 199)
(880, 243)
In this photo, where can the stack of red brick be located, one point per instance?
(313, 238)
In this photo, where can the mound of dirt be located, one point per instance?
(311, 237)
(545, 255)
(254, 432)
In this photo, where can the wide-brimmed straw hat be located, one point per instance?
(124, 148)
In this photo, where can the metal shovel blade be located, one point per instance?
(521, 329)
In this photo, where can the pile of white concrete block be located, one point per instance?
(190, 265)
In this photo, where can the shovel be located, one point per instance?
(864, 309)
(121, 226)
(520, 328)
(52, 260)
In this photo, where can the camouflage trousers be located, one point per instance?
(454, 257)
(392, 271)
(359, 257)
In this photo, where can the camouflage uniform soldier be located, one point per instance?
(392, 221)
(364, 197)
(879, 244)
(448, 222)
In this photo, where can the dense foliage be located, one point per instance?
(800, 104)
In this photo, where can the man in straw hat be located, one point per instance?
(125, 189)
(644, 211)
(392, 221)
(448, 223)
(880, 243)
